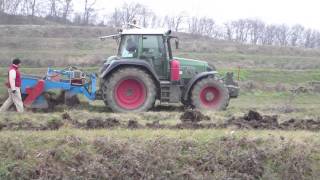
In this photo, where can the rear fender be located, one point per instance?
(194, 80)
(114, 65)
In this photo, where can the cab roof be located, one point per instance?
(145, 31)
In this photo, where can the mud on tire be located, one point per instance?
(129, 90)
(209, 94)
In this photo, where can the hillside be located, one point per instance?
(56, 45)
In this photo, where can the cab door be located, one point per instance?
(154, 51)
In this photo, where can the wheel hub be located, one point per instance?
(209, 96)
(130, 94)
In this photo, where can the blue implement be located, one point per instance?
(72, 81)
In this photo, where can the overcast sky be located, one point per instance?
(305, 12)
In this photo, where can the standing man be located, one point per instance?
(13, 85)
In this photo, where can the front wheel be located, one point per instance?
(129, 90)
(210, 94)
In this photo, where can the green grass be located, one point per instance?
(271, 76)
(252, 61)
(275, 75)
(202, 136)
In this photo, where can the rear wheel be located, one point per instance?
(210, 94)
(129, 90)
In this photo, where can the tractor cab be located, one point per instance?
(152, 46)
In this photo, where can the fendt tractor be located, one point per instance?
(143, 71)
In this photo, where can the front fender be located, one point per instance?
(194, 80)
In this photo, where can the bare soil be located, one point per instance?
(294, 124)
(132, 124)
(191, 119)
(254, 120)
(99, 123)
(193, 116)
(54, 100)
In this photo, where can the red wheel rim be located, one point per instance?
(130, 93)
(210, 96)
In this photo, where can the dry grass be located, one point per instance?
(40, 46)
(156, 155)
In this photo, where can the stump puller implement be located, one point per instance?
(70, 80)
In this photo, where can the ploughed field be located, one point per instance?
(270, 132)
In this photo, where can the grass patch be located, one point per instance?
(141, 153)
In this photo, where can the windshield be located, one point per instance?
(129, 46)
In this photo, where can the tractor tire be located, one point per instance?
(210, 94)
(129, 90)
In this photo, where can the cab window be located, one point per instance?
(152, 47)
(129, 46)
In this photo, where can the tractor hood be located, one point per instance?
(191, 67)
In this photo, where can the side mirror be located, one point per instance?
(177, 44)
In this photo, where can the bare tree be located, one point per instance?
(29, 8)
(207, 26)
(193, 25)
(241, 30)
(77, 18)
(256, 30)
(88, 10)
(155, 21)
(67, 8)
(10, 6)
(131, 12)
(296, 35)
(115, 19)
(33, 7)
(53, 9)
(174, 22)
(2, 5)
(282, 35)
(229, 32)
(268, 35)
(311, 38)
(146, 16)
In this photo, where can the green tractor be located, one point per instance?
(145, 70)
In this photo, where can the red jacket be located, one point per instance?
(18, 76)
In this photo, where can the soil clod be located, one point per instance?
(294, 124)
(54, 124)
(188, 125)
(194, 116)
(66, 116)
(254, 120)
(253, 115)
(132, 124)
(54, 99)
(191, 119)
(100, 124)
(67, 119)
